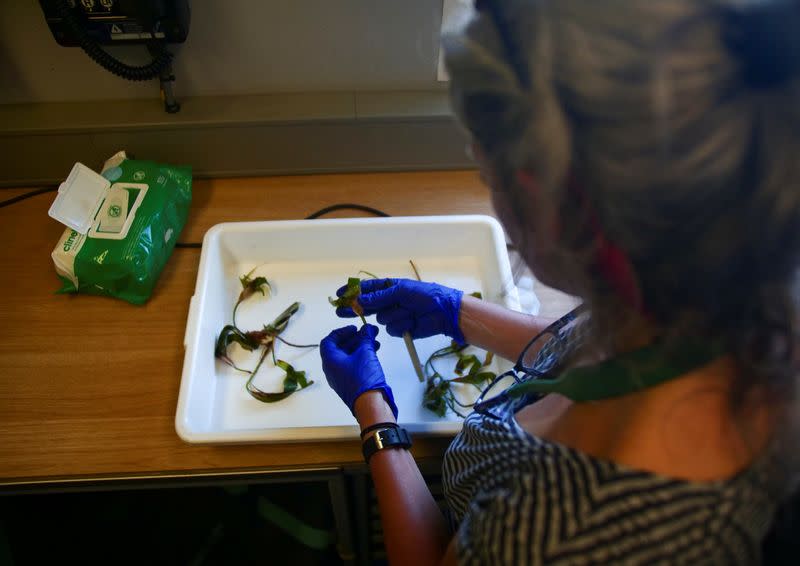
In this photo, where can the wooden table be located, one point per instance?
(89, 385)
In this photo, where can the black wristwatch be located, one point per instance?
(390, 437)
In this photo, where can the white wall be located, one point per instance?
(238, 47)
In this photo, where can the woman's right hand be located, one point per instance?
(404, 305)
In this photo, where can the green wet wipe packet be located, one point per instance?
(130, 235)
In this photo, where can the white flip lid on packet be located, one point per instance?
(79, 197)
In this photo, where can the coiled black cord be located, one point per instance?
(161, 60)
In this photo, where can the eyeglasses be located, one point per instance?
(498, 16)
(536, 361)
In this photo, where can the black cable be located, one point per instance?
(312, 216)
(27, 196)
(346, 206)
(161, 59)
(197, 245)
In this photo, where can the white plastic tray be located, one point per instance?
(306, 261)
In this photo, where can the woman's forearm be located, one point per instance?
(498, 329)
(414, 529)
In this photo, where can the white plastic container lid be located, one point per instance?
(79, 197)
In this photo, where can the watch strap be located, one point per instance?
(382, 438)
(376, 426)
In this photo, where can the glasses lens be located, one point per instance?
(531, 356)
(498, 385)
(552, 345)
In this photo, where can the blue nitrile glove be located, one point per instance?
(351, 364)
(404, 305)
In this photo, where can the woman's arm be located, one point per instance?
(498, 329)
(414, 530)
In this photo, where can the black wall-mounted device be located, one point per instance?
(90, 24)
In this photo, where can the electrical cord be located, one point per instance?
(346, 206)
(312, 216)
(161, 57)
(197, 245)
(27, 195)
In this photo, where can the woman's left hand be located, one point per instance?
(351, 364)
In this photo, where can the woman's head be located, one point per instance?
(668, 130)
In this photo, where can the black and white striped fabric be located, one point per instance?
(518, 499)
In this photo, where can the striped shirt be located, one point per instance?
(518, 499)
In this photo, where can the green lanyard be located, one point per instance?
(627, 373)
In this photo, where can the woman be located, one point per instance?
(645, 156)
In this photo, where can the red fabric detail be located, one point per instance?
(616, 268)
(611, 261)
